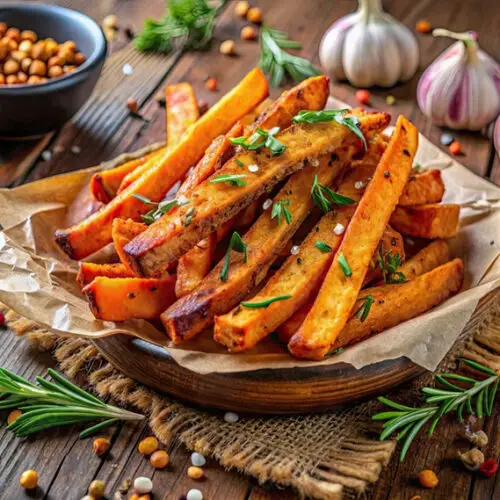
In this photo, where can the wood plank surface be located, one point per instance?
(103, 129)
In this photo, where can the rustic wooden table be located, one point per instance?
(103, 129)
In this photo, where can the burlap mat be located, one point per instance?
(324, 456)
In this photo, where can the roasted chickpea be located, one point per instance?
(51, 46)
(248, 33)
(14, 34)
(67, 55)
(34, 79)
(3, 28)
(2, 79)
(38, 68)
(29, 479)
(22, 77)
(55, 72)
(241, 9)
(56, 61)
(25, 64)
(69, 45)
(11, 67)
(11, 80)
(148, 445)
(11, 44)
(29, 35)
(4, 50)
(39, 51)
(25, 46)
(68, 68)
(18, 55)
(79, 58)
(254, 15)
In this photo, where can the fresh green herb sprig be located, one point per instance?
(233, 179)
(238, 245)
(280, 208)
(161, 208)
(53, 404)
(323, 197)
(261, 139)
(364, 310)
(477, 397)
(277, 63)
(389, 265)
(344, 265)
(332, 115)
(323, 247)
(186, 25)
(265, 303)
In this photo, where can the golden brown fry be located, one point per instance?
(252, 115)
(92, 234)
(181, 109)
(123, 231)
(214, 203)
(427, 187)
(89, 271)
(394, 304)
(427, 221)
(339, 291)
(129, 298)
(194, 312)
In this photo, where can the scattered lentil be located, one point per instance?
(227, 47)
(159, 459)
(198, 460)
(194, 494)
(446, 139)
(231, 417)
(211, 84)
(143, 485)
(195, 472)
(29, 479)
(423, 26)
(101, 446)
(248, 33)
(148, 445)
(428, 479)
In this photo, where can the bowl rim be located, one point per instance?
(95, 58)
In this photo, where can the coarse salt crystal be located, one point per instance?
(198, 460)
(359, 184)
(46, 155)
(143, 485)
(314, 162)
(267, 204)
(446, 139)
(182, 199)
(231, 417)
(294, 250)
(253, 168)
(194, 494)
(127, 69)
(76, 150)
(338, 229)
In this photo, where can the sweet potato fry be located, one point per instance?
(181, 110)
(252, 115)
(129, 298)
(123, 231)
(92, 234)
(427, 221)
(394, 304)
(89, 271)
(432, 256)
(427, 187)
(339, 291)
(104, 185)
(194, 312)
(214, 203)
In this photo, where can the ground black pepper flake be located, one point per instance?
(299, 260)
(387, 174)
(131, 295)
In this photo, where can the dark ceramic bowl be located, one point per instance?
(34, 110)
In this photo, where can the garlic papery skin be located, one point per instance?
(461, 88)
(369, 47)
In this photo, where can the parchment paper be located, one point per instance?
(37, 280)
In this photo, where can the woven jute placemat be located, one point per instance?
(325, 456)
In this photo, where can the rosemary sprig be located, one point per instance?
(52, 404)
(233, 179)
(344, 265)
(408, 421)
(238, 245)
(261, 139)
(161, 208)
(280, 208)
(277, 63)
(323, 247)
(265, 303)
(323, 197)
(364, 310)
(332, 115)
(388, 265)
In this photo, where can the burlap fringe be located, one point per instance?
(328, 456)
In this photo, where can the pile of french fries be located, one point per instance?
(262, 217)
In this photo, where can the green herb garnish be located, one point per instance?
(239, 163)
(238, 245)
(323, 247)
(186, 25)
(161, 208)
(364, 310)
(331, 115)
(261, 139)
(233, 179)
(53, 404)
(344, 265)
(280, 207)
(265, 303)
(277, 63)
(477, 398)
(323, 197)
(388, 265)
(189, 216)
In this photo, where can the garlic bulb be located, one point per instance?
(369, 47)
(461, 88)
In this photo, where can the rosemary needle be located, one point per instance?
(53, 404)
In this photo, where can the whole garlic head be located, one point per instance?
(369, 47)
(461, 88)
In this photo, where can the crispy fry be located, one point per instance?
(123, 231)
(181, 110)
(394, 304)
(427, 221)
(432, 256)
(339, 292)
(129, 298)
(252, 115)
(89, 271)
(194, 312)
(212, 204)
(427, 187)
(92, 234)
